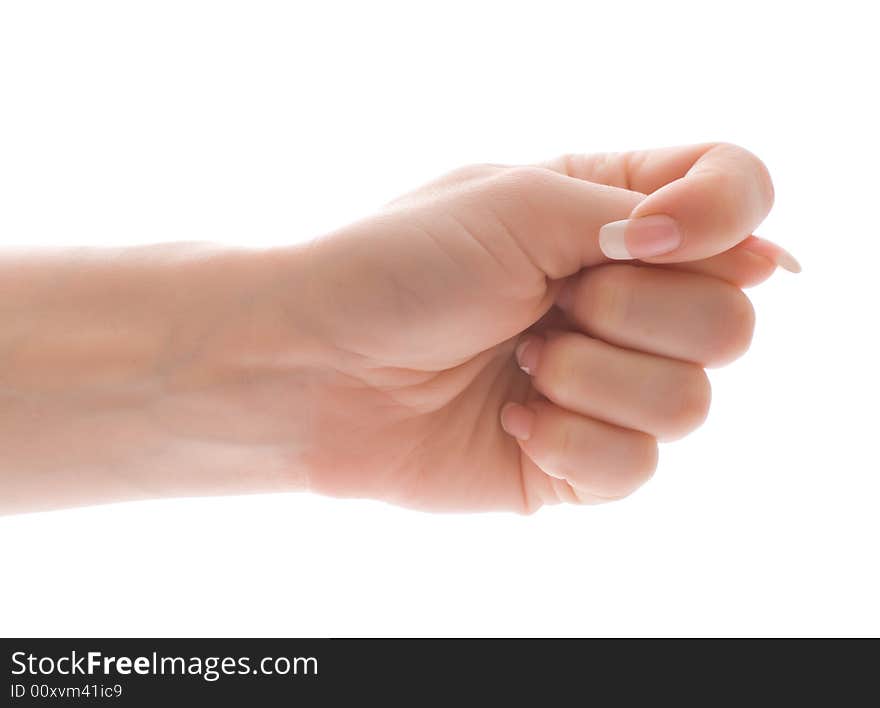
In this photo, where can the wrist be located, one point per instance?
(233, 392)
(152, 371)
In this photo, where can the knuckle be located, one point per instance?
(647, 455)
(755, 167)
(731, 151)
(688, 402)
(722, 182)
(521, 180)
(736, 326)
(644, 455)
(765, 182)
(473, 171)
(572, 164)
(581, 166)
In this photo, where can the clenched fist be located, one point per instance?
(502, 338)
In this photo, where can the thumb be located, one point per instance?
(553, 218)
(722, 196)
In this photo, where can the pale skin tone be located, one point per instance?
(468, 348)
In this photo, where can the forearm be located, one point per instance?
(145, 372)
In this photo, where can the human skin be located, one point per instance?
(468, 348)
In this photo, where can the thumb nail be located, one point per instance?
(643, 237)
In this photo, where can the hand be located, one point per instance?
(423, 307)
(387, 360)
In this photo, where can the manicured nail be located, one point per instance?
(528, 353)
(643, 237)
(772, 252)
(517, 420)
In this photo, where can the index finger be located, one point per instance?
(701, 199)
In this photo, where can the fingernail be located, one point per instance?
(643, 237)
(528, 353)
(517, 420)
(772, 252)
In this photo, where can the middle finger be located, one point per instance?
(670, 313)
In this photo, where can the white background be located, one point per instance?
(258, 122)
